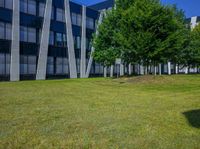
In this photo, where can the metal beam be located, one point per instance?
(44, 43)
(15, 47)
(70, 41)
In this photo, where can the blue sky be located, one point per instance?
(191, 7)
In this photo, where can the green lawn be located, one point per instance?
(136, 113)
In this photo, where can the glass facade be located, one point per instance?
(31, 23)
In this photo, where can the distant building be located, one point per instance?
(193, 21)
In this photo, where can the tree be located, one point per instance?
(191, 55)
(106, 47)
(141, 31)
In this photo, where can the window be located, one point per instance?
(50, 65)
(52, 13)
(61, 65)
(31, 64)
(78, 40)
(32, 35)
(76, 19)
(23, 34)
(90, 23)
(79, 19)
(32, 7)
(7, 64)
(65, 40)
(24, 6)
(2, 30)
(9, 4)
(5, 31)
(59, 41)
(28, 6)
(60, 15)
(6, 4)
(78, 65)
(2, 63)
(2, 3)
(27, 34)
(41, 9)
(8, 31)
(27, 64)
(23, 64)
(51, 38)
(88, 44)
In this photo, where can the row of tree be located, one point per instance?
(148, 33)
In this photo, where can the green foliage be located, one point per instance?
(192, 53)
(144, 31)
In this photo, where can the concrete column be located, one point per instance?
(83, 44)
(160, 69)
(169, 68)
(92, 50)
(111, 70)
(70, 41)
(177, 69)
(44, 43)
(186, 70)
(15, 47)
(121, 69)
(105, 72)
(129, 69)
(155, 70)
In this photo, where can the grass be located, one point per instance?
(149, 112)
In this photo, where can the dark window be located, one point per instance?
(2, 30)
(5, 31)
(28, 6)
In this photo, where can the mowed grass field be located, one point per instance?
(147, 112)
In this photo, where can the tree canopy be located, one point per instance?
(147, 32)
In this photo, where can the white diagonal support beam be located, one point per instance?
(44, 43)
(70, 41)
(92, 50)
(83, 44)
(15, 47)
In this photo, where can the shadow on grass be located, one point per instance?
(193, 118)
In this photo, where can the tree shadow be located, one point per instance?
(193, 118)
